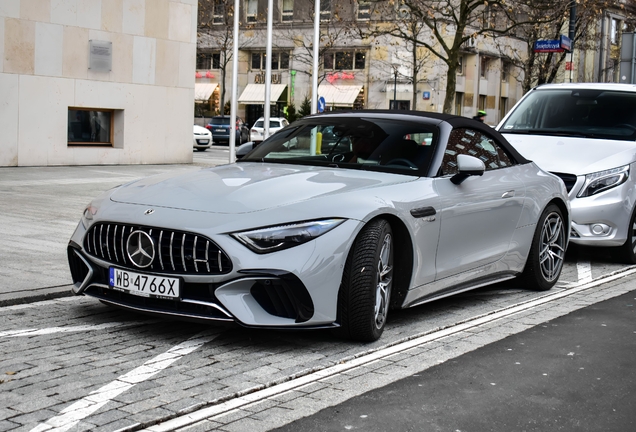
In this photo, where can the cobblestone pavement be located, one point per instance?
(75, 364)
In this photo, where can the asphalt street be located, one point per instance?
(497, 358)
(573, 373)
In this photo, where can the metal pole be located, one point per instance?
(314, 81)
(234, 104)
(395, 90)
(268, 69)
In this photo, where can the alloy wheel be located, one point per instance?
(552, 247)
(384, 280)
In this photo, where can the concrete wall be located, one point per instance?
(44, 70)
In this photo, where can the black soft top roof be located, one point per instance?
(454, 120)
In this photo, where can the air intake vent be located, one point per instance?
(568, 179)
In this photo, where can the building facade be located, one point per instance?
(380, 72)
(96, 81)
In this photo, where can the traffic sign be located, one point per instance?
(321, 104)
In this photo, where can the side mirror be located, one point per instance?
(244, 149)
(467, 166)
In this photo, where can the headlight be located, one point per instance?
(88, 214)
(281, 237)
(603, 180)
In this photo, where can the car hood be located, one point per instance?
(577, 156)
(249, 187)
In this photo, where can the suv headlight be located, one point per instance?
(281, 237)
(603, 180)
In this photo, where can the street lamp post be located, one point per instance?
(395, 67)
(395, 89)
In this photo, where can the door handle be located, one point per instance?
(423, 212)
(508, 194)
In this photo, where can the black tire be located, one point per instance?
(545, 260)
(626, 254)
(365, 291)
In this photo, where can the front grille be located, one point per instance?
(568, 179)
(175, 251)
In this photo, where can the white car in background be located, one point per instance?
(202, 138)
(275, 124)
(585, 133)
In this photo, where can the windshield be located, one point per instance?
(374, 144)
(586, 113)
(272, 124)
(220, 120)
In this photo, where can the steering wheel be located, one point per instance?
(402, 161)
(338, 157)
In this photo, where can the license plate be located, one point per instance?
(203, 141)
(144, 285)
(219, 130)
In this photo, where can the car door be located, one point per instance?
(479, 215)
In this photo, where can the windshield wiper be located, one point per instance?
(551, 132)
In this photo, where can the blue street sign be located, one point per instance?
(426, 95)
(548, 46)
(321, 104)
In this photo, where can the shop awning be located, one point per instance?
(254, 94)
(339, 95)
(203, 91)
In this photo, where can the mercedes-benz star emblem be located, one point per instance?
(140, 249)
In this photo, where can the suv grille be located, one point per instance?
(568, 179)
(175, 251)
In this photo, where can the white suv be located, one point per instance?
(275, 124)
(585, 134)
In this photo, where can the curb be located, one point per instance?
(35, 295)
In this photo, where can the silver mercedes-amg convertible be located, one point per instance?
(329, 223)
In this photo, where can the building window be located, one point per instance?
(364, 10)
(459, 103)
(280, 61)
(288, 11)
(482, 103)
(204, 60)
(252, 11)
(325, 10)
(90, 126)
(503, 107)
(218, 14)
(483, 70)
(344, 60)
(614, 31)
(360, 60)
(505, 71)
(216, 60)
(460, 65)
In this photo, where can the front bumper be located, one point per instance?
(603, 219)
(285, 289)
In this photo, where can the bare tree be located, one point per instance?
(443, 27)
(216, 34)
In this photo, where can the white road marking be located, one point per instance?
(584, 271)
(223, 408)
(83, 408)
(72, 181)
(70, 329)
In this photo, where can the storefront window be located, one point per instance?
(92, 127)
(344, 60)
